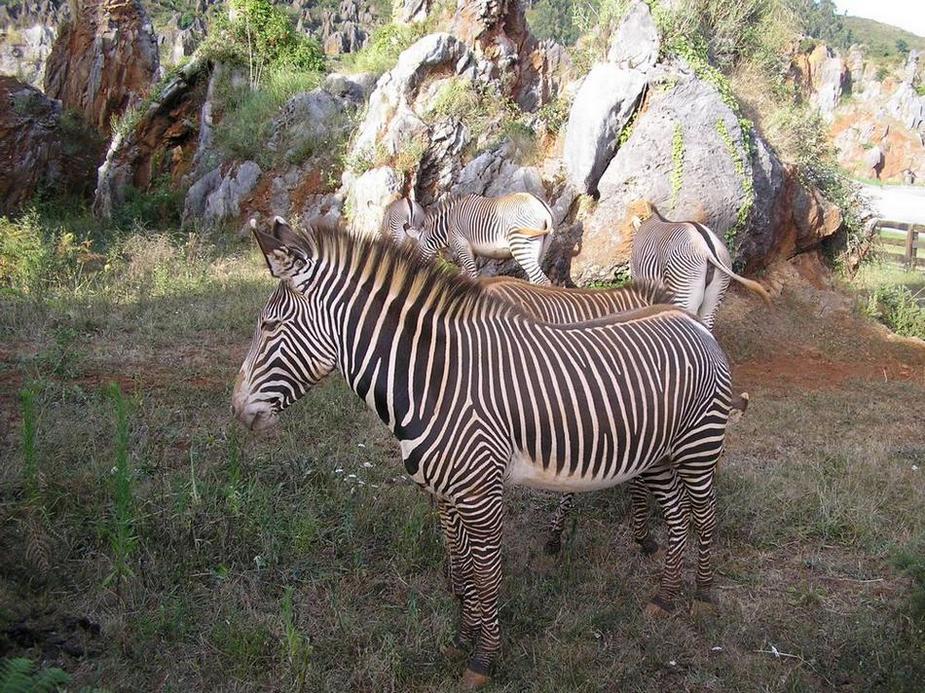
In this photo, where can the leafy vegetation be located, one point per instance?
(20, 675)
(884, 42)
(900, 309)
(381, 53)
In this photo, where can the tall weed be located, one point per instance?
(122, 537)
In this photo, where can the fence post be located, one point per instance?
(910, 247)
(913, 250)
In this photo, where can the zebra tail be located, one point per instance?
(531, 233)
(738, 406)
(749, 284)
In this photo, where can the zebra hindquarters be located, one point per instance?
(527, 248)
(713, 295)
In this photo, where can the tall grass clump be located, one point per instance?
(122, 537)
(381, 52)
(37, 544)
(296, 647)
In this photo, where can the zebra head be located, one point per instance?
(291, 349)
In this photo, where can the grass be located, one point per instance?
(303, 559)
(881, 39)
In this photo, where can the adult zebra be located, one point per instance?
(479, 394)
(688, 258)
(400, 215)
(515, 225)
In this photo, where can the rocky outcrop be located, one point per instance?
(690, 158)
(906, 104)
(605, 102)
(39, 148)
(177, 42)
(104, 60)
(635, 43)
(823, 75)
(163, 143)
(219, 195)
(27, 32)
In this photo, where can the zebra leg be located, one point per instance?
(557, 524)
(712, 297)
(672, 497)
(466, 259)
(639, 516)
(698, 481)
(462, 585)
(528, 252)
(482, 520)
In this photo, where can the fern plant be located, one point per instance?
(19, 675)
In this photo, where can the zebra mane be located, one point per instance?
(400, 264)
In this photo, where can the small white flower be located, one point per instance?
(368, 465)
(915, 468)
(672, 663)
(716, 648)
(338, 471)
(361, 445)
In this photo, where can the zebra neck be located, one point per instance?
(398, 336)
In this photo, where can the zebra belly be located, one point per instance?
(496, 250)
(523, 471)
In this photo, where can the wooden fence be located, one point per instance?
(893, 235)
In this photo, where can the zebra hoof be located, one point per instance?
(658, 608)
(472, 679)
(649, 546)
(553, 547)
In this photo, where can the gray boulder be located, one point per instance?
(636, 42)
(218, 197)
(604, 104)
(366, 197)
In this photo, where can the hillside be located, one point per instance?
(882, 40)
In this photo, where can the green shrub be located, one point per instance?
(897, 307)
(260, 36)
(161, 206)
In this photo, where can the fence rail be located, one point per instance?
(901, 234)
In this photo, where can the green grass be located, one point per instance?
(303, 558)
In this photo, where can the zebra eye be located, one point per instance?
(270, 325)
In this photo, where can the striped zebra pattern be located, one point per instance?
(515, 225)
(399, 216)
(690, 260)
(557, 305)
(480, 395)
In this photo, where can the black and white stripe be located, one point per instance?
(690, 260)
(401, 216)
(480, 394)
(516, 225)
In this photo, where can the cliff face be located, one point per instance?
(103, 61)
(27, 32)
(39, 149)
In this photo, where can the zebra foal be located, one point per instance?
(515, 225)
(481, 395)
(688, 258)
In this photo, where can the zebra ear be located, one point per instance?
(282, 249)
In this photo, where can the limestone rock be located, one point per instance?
(686, 155)
(164, 141)
(636, 41)
(37, 149)
(368, 195)
(436, 53)
(104, 61)
(603, 106)
(27, 33)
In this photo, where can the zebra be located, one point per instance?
(558, 305)
(400, 215)
(515, 225)
(480, 395)
(689, 259)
